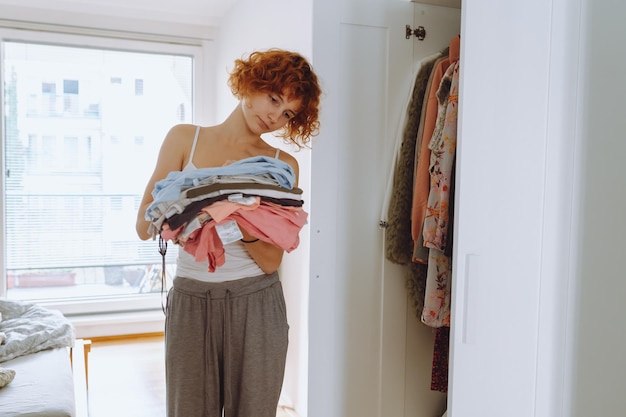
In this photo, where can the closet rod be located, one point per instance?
(419, 32)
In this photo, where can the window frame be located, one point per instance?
(203, 52)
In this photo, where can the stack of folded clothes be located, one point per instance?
(257, 193)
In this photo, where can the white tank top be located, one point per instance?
(239, 264)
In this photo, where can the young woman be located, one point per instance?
(231, 201)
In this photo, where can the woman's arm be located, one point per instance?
(171, 158)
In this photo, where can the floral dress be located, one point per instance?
(436, 311)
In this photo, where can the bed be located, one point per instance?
(49, 374)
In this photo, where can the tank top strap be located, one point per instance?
(277, 153)
(190, 164)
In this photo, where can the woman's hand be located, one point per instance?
(266, 255)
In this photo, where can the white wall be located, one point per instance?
(598, 330)
(252, 25)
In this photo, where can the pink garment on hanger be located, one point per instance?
(421, 187)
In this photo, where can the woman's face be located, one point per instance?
(268, 112)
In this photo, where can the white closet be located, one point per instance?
(519, 211)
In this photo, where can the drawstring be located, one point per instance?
(207, 343)
(163, 251)
(228, 399)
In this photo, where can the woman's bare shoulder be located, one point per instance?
(180, 137)
(182, 130)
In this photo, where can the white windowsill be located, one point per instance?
(118, 324)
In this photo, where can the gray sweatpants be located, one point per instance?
(225, 347)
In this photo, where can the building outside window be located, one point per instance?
(82, 126)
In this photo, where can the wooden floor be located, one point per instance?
(127, 378)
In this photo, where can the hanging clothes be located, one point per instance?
(421, 187)
(417, 214)
(443, 150)
(396, 211)
(398, 240)
(416, 278)
(441, 356)
(436, 236)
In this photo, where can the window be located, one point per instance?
(48, 88)
(70, 96)
(75, 165)
(70, 87)
(138, 87)
(48, 98)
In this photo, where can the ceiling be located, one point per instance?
(197, 12)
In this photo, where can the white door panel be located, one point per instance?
(503, 231)
(362, 335)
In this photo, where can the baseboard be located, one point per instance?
(128, 337)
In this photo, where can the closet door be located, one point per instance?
(362, 360)
(365, 65)
(514, 208)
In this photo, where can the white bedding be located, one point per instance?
(30, 328)
(43, 386)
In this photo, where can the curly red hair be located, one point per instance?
(281, 72)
